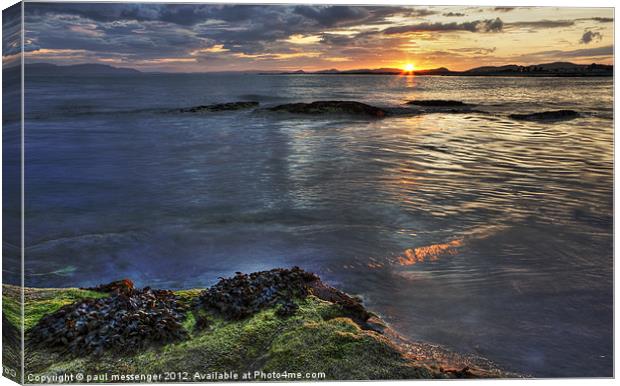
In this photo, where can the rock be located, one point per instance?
(437, 103)
(555, 115)
(124, 286)
(10, 334)
(244, 295)
(331, 107)
(231, 106)
(127, 321)
(323, 335)
(352, 306)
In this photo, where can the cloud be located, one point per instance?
(596, 53)
(331, 16)
(589, 36)
(11, 31)
(489, 25)
(474, 50)
(195, 37)
(597, 19)
(542, 24)
(602, 19)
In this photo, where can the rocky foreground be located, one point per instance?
(266, 322)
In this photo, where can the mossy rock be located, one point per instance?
(319, 337)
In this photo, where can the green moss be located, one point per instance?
(39, 302)
(11, 308)
(340, 349)
(186, 297)
(48, 302)
(317, 339)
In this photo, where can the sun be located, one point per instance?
(409, 67)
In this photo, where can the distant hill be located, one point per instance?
(90, 69)
(545, 69)
(555, 68)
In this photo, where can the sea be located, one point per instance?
(486, 235)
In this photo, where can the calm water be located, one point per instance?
(484, 234)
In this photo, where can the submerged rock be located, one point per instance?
(331, 107)
(231, 106)
(124, 322)
(437, 103)
(555, 115)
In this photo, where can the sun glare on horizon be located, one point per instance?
(409, 67)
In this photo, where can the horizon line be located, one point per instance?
(292, 72)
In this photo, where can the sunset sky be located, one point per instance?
(195, 37)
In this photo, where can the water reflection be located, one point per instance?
(474, 231)
(429, 252)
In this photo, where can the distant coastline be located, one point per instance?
(555, 69)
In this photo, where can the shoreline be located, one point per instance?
(324, 330)
(478, 75)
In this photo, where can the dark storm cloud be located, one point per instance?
(148, 34)
(332, 16)
(191, 14)
(11, 30)
(146, 39)
(182, 14)
(366, 38)
(489, 25)
(589, 36)
(172, 29)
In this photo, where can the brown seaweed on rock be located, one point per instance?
(124, 286)
(127, 321)
(244, 295)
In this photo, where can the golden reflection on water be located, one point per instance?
(429, 253)
(411, 256)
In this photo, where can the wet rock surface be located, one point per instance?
(331, 107)
(437, 103)
(231, 106)
(125, 322)
(547, 116)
